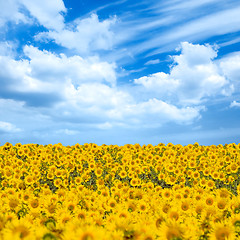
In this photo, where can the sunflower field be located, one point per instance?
(91, 192)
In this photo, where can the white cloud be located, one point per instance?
(151, 62)
(16, 78)
(230, 66)
(104, 126)
(67, 89)
(8, 48)
(11, 11)
(193, 77)
(195, 54)
(84, 35)
(48, 73)
(49, 66)
(197, 128)
(96, 96)
(8, 127)
(154, 113)
(67, 132)
(160, 82)
(235, 104)
(48, 13)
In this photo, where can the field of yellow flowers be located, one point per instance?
(91, 192)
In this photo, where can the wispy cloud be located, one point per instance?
(152, 62)
(214, 24)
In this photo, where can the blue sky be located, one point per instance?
(118, 72)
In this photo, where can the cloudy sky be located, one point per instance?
(118, 72)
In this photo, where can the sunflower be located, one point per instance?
(203, 182)
(192, 164)
(81, 214)
(98, 172)
(131, 206)
(167, 194)
(209, 211)
(51, 208)
(224, 193)
(161, 176)
(143, 207)
(194, 232)
(209, 201)
(50, 175)
(7, 173)
(61, 193)
(18, 229)
(13, 203)
(105, 193)
(10, 216)
(117, 235)
(177, 196)
(3, 221)
(91, 165)
(71, 206)
(221, 203)
(123, 214)
(48, 236)
(123, 224)
(147, 236)
(134, 182)
(198, 197)
(28, 180)
(206, 172)
(91, 233)
(34, 203)
(66, 217)
(112, 203)
(215, 175)
(171, 230)
(234, 168)
(166, 207)
(117, 196)
(185, 206)
(100, 182)
(159, 220)
(199, 207)
(173, 214)
(222, 231)
(57, 182)
(235, 219)
(210, 184)
(196, 175)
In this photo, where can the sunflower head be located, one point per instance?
(173, 214)
(222, 231)
(17, 228)
(171, 230)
